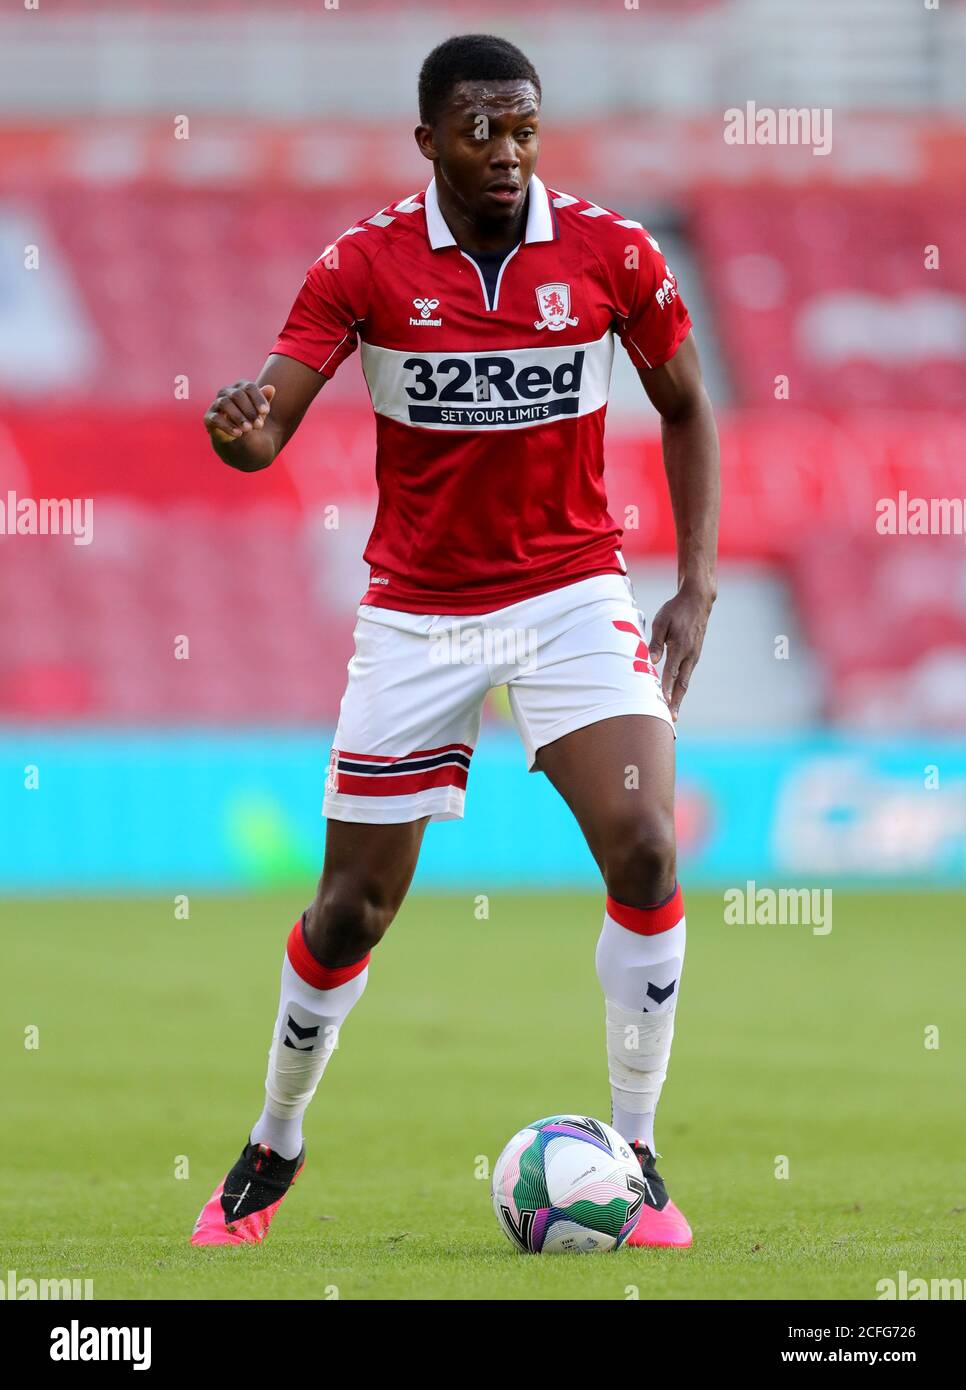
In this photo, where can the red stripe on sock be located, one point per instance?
(313, 972)
(648, 921)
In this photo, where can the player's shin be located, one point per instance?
(314, 1001)
(640, 955)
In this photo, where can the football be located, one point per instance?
(567, 1183)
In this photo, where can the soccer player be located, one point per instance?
(486, 307)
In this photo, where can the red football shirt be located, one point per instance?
(490, 416)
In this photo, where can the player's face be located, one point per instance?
(486, 144)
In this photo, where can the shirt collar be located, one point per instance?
(540, 219)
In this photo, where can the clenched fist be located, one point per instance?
(238, 409)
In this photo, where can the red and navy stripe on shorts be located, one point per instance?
(369, 774)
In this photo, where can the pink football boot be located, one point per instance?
(240, 1209)
(659, 1222)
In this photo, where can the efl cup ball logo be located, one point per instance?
(553, 301)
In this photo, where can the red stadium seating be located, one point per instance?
(830, 289)
(91, 631)
(887, 620)
(178, 282)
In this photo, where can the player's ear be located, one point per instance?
(423, 135)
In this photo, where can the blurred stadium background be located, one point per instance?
(166, 267)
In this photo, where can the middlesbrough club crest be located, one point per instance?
(553, 301)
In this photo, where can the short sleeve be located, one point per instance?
(321, 327)
(651, 320)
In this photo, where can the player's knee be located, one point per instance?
(345, 922)
(640, 870)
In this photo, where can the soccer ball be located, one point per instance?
(567, 1183)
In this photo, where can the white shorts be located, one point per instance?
(410, 716)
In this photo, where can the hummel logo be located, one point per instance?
(658, 994)
(426, 307)
(301, 1034)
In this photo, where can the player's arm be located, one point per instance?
(690, 441)
(250, 423)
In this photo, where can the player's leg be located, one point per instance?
(407, 727)
(590, 710)
(366, 873)
(617, 776)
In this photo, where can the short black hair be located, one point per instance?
(469, 58)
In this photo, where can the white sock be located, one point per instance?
(640, 955)
(313, 1002)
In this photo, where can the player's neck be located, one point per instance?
(475, 235)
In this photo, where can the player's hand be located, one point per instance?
(237, 410)
(679, 627)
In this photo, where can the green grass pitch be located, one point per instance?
(153, 1036)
